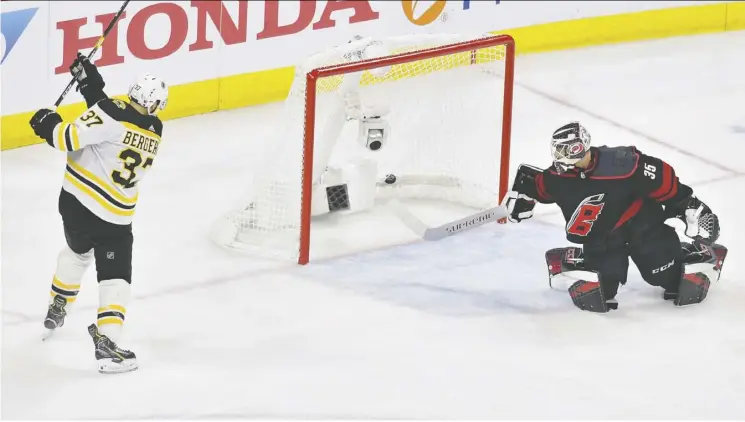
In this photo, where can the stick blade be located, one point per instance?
(448, 229)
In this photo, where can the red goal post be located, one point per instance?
(314, 75)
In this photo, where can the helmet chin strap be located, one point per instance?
(154, 108)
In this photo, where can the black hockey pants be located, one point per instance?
(111, 243)
(654, 248)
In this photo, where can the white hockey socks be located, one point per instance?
(70, 270)
(113, 297)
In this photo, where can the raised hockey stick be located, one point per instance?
(448, 229)
(98, 45)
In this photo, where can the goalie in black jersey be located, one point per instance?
(615, 202)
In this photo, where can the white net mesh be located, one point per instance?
(445, 115)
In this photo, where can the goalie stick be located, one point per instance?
(98, 45)
(448, 229)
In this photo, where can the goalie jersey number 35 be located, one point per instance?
(110, 149)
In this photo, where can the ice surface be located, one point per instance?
(462, 328)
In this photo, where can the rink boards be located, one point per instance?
(249, 59)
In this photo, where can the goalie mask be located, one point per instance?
(569, 145)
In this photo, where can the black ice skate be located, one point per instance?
(55, 316)
(111, 359)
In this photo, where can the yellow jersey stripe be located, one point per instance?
(61, 136)
(100, 183)
(93, 194)
(101, 192)
(74, 136)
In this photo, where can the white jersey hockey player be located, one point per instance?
(110, 149)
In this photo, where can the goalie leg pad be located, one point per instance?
(574, 263)
(560, 260)
(720, 253)
(693, 289)
(703, 264)
(705, 258)
(588, 296)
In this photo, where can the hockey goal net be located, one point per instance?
(419, 117)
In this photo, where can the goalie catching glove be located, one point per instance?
(701, 223)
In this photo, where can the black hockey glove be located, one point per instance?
(89, 77)
(701, 223)
(43, 123)
(519, 206)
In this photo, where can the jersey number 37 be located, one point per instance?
(131, 160)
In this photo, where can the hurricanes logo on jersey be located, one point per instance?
(585, 215)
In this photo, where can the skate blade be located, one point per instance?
(47, 334)
(49, 327)
(107, 366)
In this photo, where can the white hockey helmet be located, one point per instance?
(569, 144)
(149, 92)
